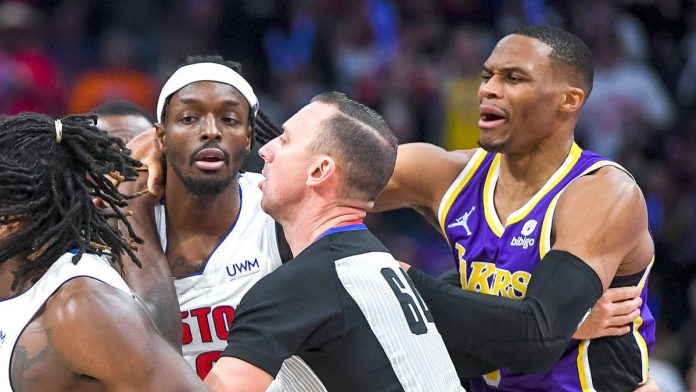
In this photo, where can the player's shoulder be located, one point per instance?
(86, 298)
(606, 182)
(609, 192)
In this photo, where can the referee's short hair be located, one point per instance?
(364, 142)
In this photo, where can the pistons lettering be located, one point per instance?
(209, 320)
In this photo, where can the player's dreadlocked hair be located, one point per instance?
(264, 130)
(47, 182)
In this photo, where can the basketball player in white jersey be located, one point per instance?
(214, 237)
(68, 321)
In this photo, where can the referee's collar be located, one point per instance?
(347, 226)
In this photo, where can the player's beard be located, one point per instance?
(492, 147)
(202, 187)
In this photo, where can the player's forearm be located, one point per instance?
(153, 282)
(527, 335)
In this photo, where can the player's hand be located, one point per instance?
(612, 313)
(144, 148)
(648, 386)
(404, 266)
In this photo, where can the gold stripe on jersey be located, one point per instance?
(488, 199)
(545, 235)
(492, 378)
(638, 322)
(584, 367)
(457, 186)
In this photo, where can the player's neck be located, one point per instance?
(525, 173)
(189, 212)
(307, 226)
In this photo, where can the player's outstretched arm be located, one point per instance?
(103, 333)
(153, 282)
(422, 175)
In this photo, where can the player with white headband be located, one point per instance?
(206, 229)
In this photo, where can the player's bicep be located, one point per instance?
(422, 175)
(600, 219)
(104, 334)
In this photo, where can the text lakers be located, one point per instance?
(486, 278)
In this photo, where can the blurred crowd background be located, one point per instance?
(417, 62)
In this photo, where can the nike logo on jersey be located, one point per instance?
(2, 337)
(244, 268)
(462, 221)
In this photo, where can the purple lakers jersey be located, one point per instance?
(498, 258)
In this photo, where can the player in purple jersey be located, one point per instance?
(531, 194)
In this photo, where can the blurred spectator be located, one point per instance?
(628, 100)
(28, 77)
(688, 328)
(460, 75)
(118, 77)
(122, 119)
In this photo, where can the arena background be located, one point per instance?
(417, 62)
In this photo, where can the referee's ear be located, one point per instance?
(322, 172)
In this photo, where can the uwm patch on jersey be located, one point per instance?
(208, 300)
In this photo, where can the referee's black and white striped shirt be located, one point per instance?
(350, 313)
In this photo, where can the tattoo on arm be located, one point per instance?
(21, 363)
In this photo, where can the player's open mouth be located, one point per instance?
(210, 159)
(491, 117)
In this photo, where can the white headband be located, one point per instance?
(200, 72)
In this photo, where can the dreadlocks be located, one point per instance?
(264, 130)
(47, 183)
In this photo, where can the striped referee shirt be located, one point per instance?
(350, 313)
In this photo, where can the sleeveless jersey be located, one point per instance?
(498, 259)
(17, 312)
(208, 300)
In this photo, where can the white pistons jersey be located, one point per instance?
(17, 312)
(208, 300)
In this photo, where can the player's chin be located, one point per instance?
(494, 146)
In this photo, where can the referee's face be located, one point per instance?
(206, 136)
(290, 161)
